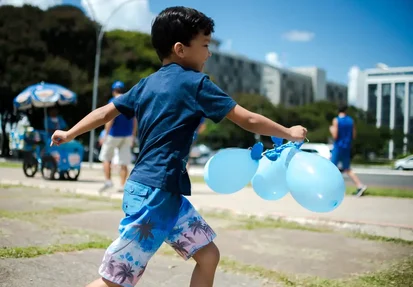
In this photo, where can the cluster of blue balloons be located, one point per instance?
(313, 181)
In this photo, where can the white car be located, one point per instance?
(404, 163)
(200, 154)
(321, 149)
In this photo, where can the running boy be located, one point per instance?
(169, 105)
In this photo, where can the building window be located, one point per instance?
(410, 109)
(372, 100)
(399, 117)
(385, 104)
(399, 107)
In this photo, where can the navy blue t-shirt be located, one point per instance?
(169, 105)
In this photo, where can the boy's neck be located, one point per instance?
(171, 60)
(178, 61)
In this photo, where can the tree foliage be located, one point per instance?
(59, 45)
(317, 117)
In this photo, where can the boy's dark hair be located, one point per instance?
(178, 24)
(342, 108)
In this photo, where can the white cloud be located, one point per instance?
(132, 15)
(42, 4)
(299, 36)
(273, 59)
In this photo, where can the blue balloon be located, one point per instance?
(269, 182)
(277, 141)
(315, 182)
(286, 156)
(230, 170)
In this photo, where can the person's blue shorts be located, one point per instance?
(343, 156)
(152, 216)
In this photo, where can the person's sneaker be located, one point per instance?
(360, 190)
(108, 184)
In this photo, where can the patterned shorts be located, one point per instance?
(152, 216)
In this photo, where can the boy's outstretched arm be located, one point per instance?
(93, 120)
(259, 124)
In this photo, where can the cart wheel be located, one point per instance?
(30, 165)
(49, 167)
(72, 174)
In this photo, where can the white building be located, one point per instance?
(387, 93)
(290, 87)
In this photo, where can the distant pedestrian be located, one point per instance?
(343, 131)
(120, 133)
(115, 159)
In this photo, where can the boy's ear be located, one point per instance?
(178, 49)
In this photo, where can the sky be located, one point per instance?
(339, 36)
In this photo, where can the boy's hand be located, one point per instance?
(60, 137)
(297, 133)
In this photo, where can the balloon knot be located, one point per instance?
(256, 151)
(274, 154)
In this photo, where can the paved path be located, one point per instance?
(376, 215)
(32, 220)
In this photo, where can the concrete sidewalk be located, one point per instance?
(53, 239)
(385, 216)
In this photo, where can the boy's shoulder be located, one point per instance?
(171, 77)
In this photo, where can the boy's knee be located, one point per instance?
(208, 256)
(102, 282)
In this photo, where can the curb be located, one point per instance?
(371, 228)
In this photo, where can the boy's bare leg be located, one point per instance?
(101, 282)
(207, 260)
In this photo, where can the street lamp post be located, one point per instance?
(99, 37)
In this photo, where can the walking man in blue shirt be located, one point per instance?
(120, 133)
(343, 132)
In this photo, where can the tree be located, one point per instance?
(227, 134)
(58, 46)
(317, 117)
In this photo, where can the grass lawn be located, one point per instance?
(11, 164)
(383, 191)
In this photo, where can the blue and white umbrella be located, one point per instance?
(43, 95)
